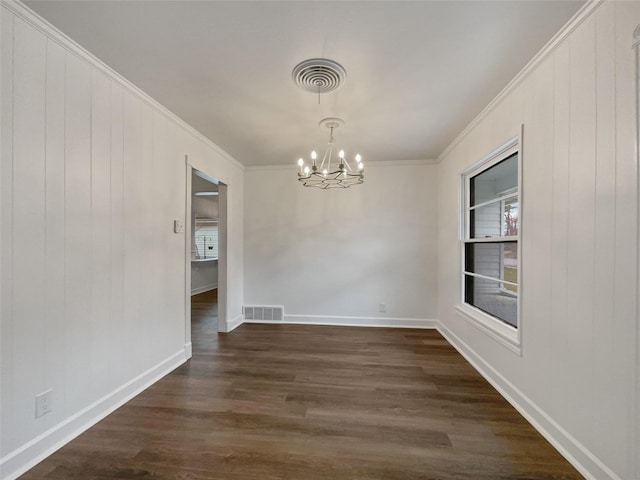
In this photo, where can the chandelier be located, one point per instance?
(323, 176)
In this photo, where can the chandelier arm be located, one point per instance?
(323, 159)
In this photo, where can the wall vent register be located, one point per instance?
(263, 313)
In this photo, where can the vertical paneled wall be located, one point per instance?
(93, 277)
(80, 229)
(576, 376)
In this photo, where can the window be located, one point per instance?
(206, 238)
(491, 230)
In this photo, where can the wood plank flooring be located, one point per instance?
(289, 402)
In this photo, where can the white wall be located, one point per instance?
(332, 255)
(576, 377)
(93, 294)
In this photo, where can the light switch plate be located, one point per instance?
(178, 226)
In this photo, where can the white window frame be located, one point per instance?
(507, 335)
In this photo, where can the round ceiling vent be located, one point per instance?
(319, 75)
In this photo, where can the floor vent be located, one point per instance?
(263, 313)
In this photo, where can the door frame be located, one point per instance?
(636, 47)
(222, 250)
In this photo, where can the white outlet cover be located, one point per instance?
(43, 403)
(178, 226)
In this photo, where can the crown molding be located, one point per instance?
(36, 21)
(403, 163)
(266, 168)
(580, 16)
(386, 163)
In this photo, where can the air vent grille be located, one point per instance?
(319, 75)
(259, 313)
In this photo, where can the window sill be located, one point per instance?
(198, 260)
(501, 332)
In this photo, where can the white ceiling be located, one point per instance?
(417, 72)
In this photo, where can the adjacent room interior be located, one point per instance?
(205, 215)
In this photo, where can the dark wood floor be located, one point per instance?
(288, 402)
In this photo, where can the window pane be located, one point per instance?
(497, 260)
(510, 216)
(496, 219)
(492, 298)
(495, 181)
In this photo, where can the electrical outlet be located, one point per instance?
(43, 403)
(178, 226)
(382, 308)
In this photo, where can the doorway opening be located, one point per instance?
(205, 259)
(205, 214)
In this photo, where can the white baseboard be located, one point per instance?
(188, 350)
(355, 321)
(235, 323)
(577, 454)
(28, 455)
(205, 288)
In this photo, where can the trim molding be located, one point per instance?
(355, 321)
(187, 250)
(205, 288)
(576, 453)
(636, 47)
(489, 327)
(385, 163)
(25, 13)
(28, 455)
(188, 350)
(235, 323)
(557, 40)
(402, 163)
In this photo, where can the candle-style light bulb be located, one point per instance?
(324, 172)
(300, 162)
(306, 170)
(361, 166)
(358, 158)
(314, 155)
(341, 153)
